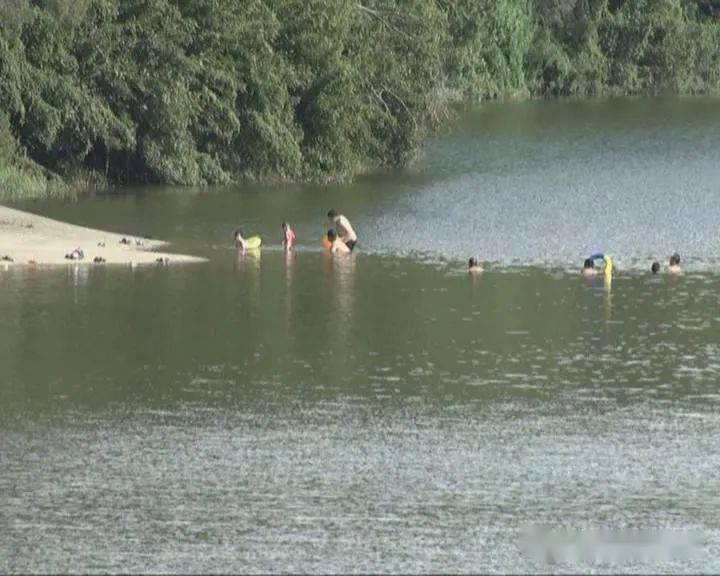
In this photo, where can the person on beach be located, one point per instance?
(76, 254)
(288, 236)
(674, 267)
(343, 229)
(474, 267)
(337, 246)
(655, 268)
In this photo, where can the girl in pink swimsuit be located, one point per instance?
(288, 236)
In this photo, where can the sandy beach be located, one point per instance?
(28, 239)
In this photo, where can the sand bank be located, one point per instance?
(30, 239)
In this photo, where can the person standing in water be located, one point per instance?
(240, 241)
(589, 268)
(674, 267)
(343, 229)
(474, 267)
(589, 265)
(288, 236)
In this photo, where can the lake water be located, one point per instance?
(383, 412)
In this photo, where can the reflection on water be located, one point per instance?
(342, 272)
(300, 411)
(290, 256)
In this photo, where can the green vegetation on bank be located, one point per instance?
(210, 91)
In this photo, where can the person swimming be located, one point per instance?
(588, 268)
(337, 246)
(655, 268)
(474, 267)
(589, 265)
(288, 236)
(674, 267)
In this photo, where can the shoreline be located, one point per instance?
(29, 240)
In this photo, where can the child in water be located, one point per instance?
(240, 241)
(337, 246)
(288, 236)
(474, 267)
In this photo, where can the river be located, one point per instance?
(383, 412)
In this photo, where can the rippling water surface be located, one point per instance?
(381, 413)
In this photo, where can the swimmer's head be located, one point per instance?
(331, 235)
(675, 259)
(238, 234)
(332, 214)
(588, 264)
(472, 262)
(655, 267)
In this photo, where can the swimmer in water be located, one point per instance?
(655, 268)
(337, 246)
(674, 267)
(474, 267)
(589, 268)
(288, 236)
(607, 269)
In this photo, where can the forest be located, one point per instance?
(192, 92)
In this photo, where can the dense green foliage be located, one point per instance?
(583, 47)
(208, 91)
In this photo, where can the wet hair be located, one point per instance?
(655, 267)
(588, 263)
(331, 235)
(332, 214)
(238, 231)
(675, 259)
(471, 262)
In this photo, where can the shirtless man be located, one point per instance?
(674, 267)
(474, 267)
(589, 268)
(337, 246)
(343, 229)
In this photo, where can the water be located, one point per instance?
(383, 412)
